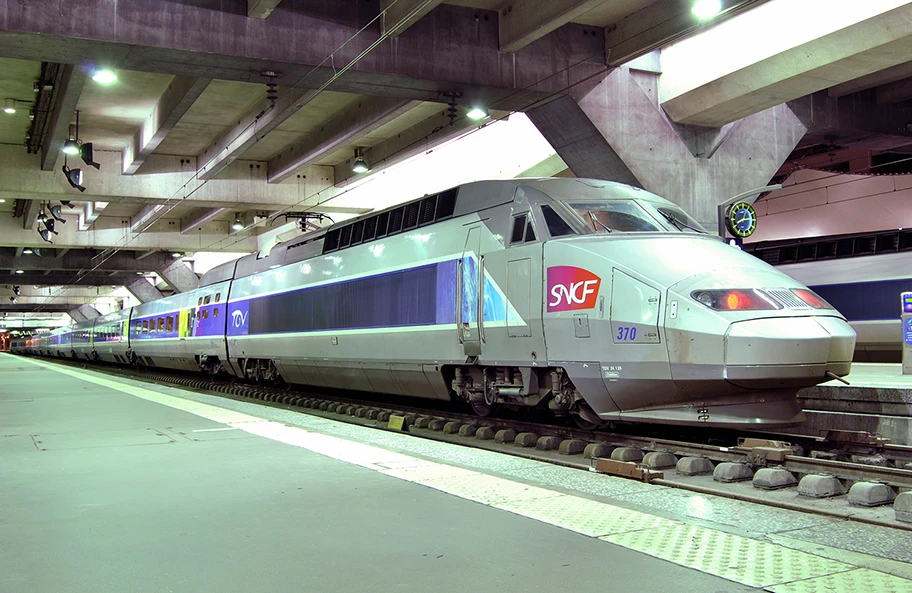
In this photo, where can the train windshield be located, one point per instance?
(625, 216)
(681, 220)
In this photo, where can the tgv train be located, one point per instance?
(862, 275)
(588, 298)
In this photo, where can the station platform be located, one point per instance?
(878, 399)
(111, 484)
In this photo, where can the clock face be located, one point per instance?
(742, 220)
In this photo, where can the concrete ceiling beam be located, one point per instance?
(29, 307)
(30, 214)
(19, 251)
(657, 25)
(419, 138)
(225, 44)
(261, 9)
(256, 124)
(110, 232)
(846, 53)
(852, 117)
(523, 21)
(179, 276)
(399, 15)
(870, 81)
(238, 185)
(90, 213)
(199, 217)
(143, 290)
(894, 92)
(180, 95)
(85, 259)
(360, 120)
(68, 280)
(145, 217)
(67, 90)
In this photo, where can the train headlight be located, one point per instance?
(811, 298)
(734, 300)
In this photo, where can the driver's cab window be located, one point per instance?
(522, 231)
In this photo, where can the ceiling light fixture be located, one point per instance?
(360, 165)
(45, 234)
(85, 152)
(71, 146)
(238, 224)
(10, 106)
(477, 113)
(104, 76)
(55, 212)
(706, 9)
(27, 251)
(74, 177)
(176, 254)
(20, 271)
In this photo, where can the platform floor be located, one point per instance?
(115, 485)
(883, 375)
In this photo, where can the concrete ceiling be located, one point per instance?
(188, 138)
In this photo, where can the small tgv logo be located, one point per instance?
(571, 288)
(239, 318)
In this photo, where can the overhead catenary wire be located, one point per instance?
(518, 93)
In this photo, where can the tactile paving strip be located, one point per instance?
(585, 516)
(740, 559)
(489, 490)
(861, 580)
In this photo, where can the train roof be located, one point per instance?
(457, 201)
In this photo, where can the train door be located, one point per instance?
(470, 294)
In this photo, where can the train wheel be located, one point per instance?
(586, 418)
(583, 423)
(485, 410)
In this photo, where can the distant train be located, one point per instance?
(591, 299)
(861, 275)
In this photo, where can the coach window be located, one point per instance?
(161, 324)
(200, 303)
(207, 300)
(215, 312)
(170, 326)
(205, 314)
(145, 326)
(138, 326)
(218, 297)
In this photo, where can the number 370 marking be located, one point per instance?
(627, 334)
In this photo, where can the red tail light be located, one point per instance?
(734, 300)
(811, 298)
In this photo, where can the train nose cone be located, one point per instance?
(778, 352)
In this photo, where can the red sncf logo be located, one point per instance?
(571, 288)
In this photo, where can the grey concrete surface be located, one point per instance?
(106, 492)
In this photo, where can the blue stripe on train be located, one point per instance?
(866, 301)
(425, 295)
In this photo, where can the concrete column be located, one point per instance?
(76, 316)
(143, 290)
(697, 168)
(88, 311)
(179, 276)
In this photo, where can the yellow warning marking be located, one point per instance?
(740, 559)
(860, 579)
(755, 563)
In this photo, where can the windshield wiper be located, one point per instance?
(596, 221)
(678, 223)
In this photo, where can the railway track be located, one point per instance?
(764, 469)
